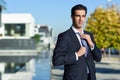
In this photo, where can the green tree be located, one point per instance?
(36, 37)
(105, 26)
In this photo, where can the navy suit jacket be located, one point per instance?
(64, 54)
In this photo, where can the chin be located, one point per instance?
(79, 26)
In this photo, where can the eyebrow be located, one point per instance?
(79, 15)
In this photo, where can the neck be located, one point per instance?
(80, 29)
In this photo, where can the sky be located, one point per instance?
(54, 13)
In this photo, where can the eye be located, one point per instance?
(83, 15)
(77, 15)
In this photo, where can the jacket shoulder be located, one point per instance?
(65, 33)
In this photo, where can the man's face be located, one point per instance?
(78, 18)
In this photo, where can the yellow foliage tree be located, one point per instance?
(105, 26)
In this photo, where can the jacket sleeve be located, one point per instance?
(61, 55)
(96, 51)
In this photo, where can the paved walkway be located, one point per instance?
(57, 73)
(108, 71)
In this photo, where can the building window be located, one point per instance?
(14, 29)
(14, 67)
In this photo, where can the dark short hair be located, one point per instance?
(78, 7)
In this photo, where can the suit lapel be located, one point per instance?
(74, 37)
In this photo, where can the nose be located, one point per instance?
(80, 18)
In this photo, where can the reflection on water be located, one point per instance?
(37, 68)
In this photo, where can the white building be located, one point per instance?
(17, 26)
(46, 35)
(17, 49)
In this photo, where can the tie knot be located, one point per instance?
(78, 33)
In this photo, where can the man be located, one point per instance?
(76, 49)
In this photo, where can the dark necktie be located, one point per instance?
(84, 43)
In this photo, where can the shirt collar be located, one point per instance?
(76, 31)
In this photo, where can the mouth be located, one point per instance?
(80, 23)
